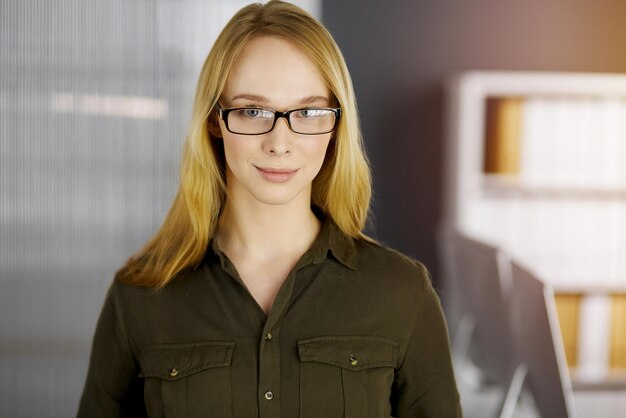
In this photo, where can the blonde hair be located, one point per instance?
(342, 189)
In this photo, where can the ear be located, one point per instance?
(214, 127)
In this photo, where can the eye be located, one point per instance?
(253, 113)
(311, 113)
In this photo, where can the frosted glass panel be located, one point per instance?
(94, 100)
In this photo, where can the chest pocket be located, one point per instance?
(346, 376)
(188, 380)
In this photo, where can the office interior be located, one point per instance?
(94, 101)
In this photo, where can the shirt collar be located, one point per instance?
(341, 246)
(330, 238)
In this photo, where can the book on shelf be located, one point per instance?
(568, 311)
(618, 332)
(594, 338)
(502, 135)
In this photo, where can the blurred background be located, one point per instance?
(401, 52)
(95, 96)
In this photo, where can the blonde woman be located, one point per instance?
(260, 296)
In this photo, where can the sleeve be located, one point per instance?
(112, 388)
(424, 383)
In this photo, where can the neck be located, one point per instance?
(263, 232)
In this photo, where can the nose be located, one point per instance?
(279, 140)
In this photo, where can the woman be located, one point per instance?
(260, 296)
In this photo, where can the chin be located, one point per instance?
(275, 200)
(278, 197)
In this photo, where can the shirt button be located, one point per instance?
(268, 336)
(269, 395)
(173, 372)
(353, 361)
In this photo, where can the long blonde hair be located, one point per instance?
(342, 189)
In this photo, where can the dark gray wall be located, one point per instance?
(399, 53)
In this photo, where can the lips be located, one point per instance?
(277, 175)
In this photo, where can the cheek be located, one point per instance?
(234, 151)
(316, 155)
(320, 150)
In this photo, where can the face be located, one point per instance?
(278, 167)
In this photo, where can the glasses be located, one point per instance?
(258, 121)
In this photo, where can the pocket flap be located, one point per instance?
(175, 361)
(352, 353)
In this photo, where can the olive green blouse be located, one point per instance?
(355, 331)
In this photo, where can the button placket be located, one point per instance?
(269, 374)
(269, 352)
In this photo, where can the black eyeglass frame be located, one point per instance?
(223, 114)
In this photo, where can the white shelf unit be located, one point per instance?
(561, 209)
(564, 212)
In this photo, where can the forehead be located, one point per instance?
(276, 69)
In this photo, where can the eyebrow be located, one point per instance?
(261, 99)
